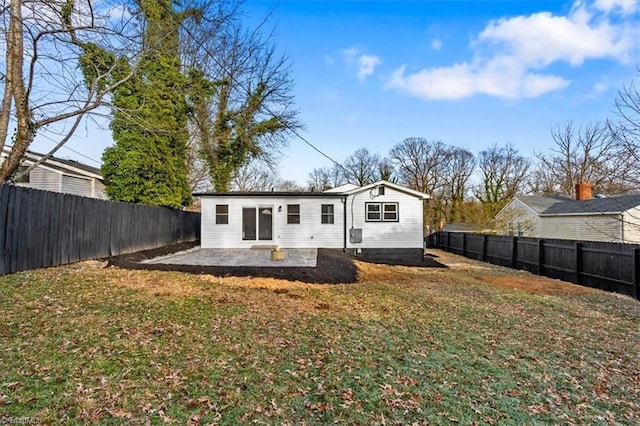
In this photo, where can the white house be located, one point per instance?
(382, 215)
(521, 216)
(60, 175)
(610, 219)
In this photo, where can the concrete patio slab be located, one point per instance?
(256, 257)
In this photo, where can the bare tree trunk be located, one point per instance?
(15, 60)
(7, 98)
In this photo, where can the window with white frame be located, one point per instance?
(373, 212)
(327, 214)
(390, 212)
(293, 213)
(222, 214)
(382, 212)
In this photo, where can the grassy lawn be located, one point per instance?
(468, 344)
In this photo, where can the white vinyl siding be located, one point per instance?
(407, 232)
(516, 215)
(76, 186)
(632, 226)
(582, 227)
(310, 233)
(45, 179)
(99, 190)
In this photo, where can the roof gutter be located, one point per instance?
(581, 214)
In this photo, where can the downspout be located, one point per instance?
(344, 223)
(622, 227)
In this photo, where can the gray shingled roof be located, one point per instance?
(72, 163)
(540, 203)
(595, 205)
(76, 164)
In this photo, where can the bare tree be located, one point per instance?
(255, 176)
(459, 167)
(197, 172)
(243, 106)
(583, 154)
(62, 60)
(288, 186)
(361, 167)
(386, 170)
(420, 164)
(503, 172)
(626, 130)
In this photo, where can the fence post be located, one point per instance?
(540, 256)
(578, 260)
(514, 252)
(464, 243)
(484, 247)
(635, 266)
(446, 242)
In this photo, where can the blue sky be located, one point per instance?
(468, 73)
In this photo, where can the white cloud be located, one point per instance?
(541, 39)
(364, 64)
(367, 65)
(623, 6)
(349, 55)
(464, 80)
(598, 88)
(436, 44)
(512, 54)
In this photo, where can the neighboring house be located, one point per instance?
(60, 175)
(381, 215)
(611, 219)
(521, 216)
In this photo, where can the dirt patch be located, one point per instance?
(333, 267)
(455, 261)
(537, 285)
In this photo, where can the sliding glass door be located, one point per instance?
(258, 219)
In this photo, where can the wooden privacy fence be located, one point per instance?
(41, 228)
(607, 266)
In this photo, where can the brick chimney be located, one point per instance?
(583, 191)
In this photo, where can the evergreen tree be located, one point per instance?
(148, 162)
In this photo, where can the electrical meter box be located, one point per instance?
(355, 235)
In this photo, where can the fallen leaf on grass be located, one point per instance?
(120, 414)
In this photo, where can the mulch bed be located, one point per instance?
(333, 266)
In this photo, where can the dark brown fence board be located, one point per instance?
(13, 229)
(40, 228)
(607, 266)
(4, 207)
(526, 254)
